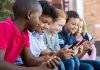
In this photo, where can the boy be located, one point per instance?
(14, 36)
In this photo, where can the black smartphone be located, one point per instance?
(77, 44)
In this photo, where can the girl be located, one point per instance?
(81, 34)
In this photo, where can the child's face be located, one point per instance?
(80, 27)
(45, 22)
(57, 26)
(33, 19)
(72, 25)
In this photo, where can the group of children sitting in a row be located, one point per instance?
(41, 37)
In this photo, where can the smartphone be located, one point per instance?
(77, 44)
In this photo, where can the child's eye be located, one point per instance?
(73, 23)
(45, 21)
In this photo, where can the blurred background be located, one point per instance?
(89, 10)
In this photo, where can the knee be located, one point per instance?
(89, 67)
(69, 62)
(62, 67)
(85, 66)
(76, 60)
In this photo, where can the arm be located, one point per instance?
(44, 53)
(7, 66)
(57, 46)
(92, 55)
(29, 60)
(85, 48)
(80, 55)
(86, 56)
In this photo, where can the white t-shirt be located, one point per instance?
(36, 43)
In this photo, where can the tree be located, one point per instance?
(6, 9)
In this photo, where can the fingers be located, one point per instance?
(53, 64)
(68, 56)
(57, 58)
(48, 64)
(44, 66)
(53, 61)
(56, 62)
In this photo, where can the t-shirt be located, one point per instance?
(51, 42)
(36, 43)
(12, 41)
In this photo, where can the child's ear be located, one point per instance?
(29, 14)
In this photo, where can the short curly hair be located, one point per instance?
(72, 14)
(48, 10)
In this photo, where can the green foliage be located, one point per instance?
(6, 9)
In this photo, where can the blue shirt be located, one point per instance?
(66, 39)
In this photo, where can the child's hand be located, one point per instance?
(52, 53)
(65, 53)
(86, 45)
(53, 61)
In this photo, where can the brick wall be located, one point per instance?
(92, 16)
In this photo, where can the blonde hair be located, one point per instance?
(61, 14)
(84, 28)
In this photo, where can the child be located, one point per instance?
(14, 37)
(82, 34)
(36, 38)
(67, 39)
(51, 38)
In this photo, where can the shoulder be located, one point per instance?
(87, 36)
(25, 34)
(5, 26)
(60, 34)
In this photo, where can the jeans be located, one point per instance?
(94, 63)
(85, 66)
(60, 66)
(71, 64)
(77, 62)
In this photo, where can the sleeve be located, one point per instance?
(25, 36)
(4, 35)
(89, 36)
(61, 40)
(57, 46)
(45, 40)
(92, 56)
(43, 46)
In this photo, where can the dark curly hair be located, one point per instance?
(48, 9)
(72, 14)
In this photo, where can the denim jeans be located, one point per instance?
(94, 63)
(60, 66)
(85, 66)
(71, 64)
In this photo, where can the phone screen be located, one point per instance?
(77, 44)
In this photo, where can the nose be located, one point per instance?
(76, 27)
(47, 26)
(60, 28)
